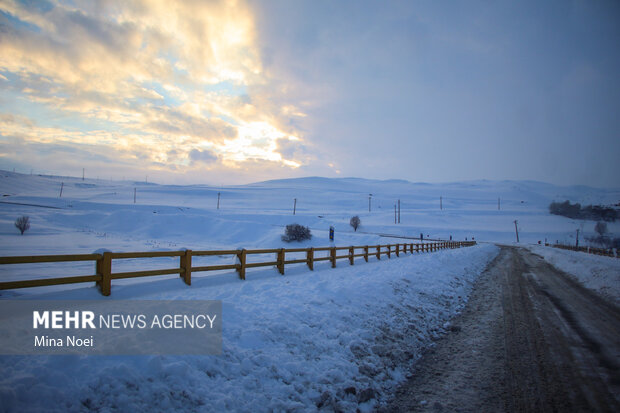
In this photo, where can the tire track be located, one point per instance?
(531, 339)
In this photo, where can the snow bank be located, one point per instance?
(596, 272)
(334, 339)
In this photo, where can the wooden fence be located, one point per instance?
(103, 262)
(608, 252)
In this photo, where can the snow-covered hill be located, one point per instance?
(331, 339)
(96, 214)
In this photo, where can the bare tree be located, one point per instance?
(600, 228)
(355, 222)
(23, 223)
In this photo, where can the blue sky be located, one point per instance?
(233, 91)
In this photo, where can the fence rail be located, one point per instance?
(608, 252)
(103, 262)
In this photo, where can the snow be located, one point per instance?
(595, 272)
(331, 339)
(291, 342)
(96, 214)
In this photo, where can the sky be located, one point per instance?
(233, 92)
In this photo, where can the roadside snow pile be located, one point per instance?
(596, 272)
(333, 339)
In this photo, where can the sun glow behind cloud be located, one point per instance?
(141, 85)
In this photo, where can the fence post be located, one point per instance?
(186, 267)
(397, 250)
(378, 252)
(241, 256)
(104, 268)
(99, 270)
(351, 253)
(281, 261)
(411, 248)
(310, 258)
(366, 253)
(332, 255)
(389, 251)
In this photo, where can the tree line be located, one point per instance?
(576, 211)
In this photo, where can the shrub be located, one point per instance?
(296, 232)
(355, 222)
(23, 223)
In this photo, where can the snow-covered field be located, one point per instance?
(329, 339)
(96, 214)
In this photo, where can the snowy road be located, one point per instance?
(530, 339)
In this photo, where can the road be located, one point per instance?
(531, 339)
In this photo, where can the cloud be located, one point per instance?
(153, 81)
(180, 122)
(204, 156)
(295, 150)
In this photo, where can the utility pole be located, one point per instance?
(218, 200)
(577, 240)
(399, 211)
(516, 230)
(294, 205)
(82, 174)
(61, 185)
(440, 202)
(395, 213)
(369, 197)
(134, 195)
(498, 204)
